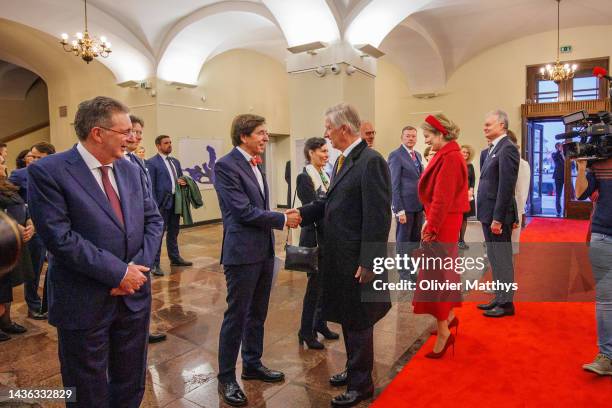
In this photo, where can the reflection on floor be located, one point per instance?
(188, 304)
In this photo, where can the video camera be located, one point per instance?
(595, 136)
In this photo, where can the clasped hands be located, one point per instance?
(132, 281)
(294, 219)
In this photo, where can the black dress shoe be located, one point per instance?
(328, 334)
(232, 394)
(488, 306)
(180, 262)
(157, 271)
(505, 309)
(311, 342)
(32, 314)
(14, 328)
(4, 337)
(340, 379)
(156, 337)
(263, 374)
(351, 398)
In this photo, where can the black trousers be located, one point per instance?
(558, 193)
(311, 309)
(37, 255)
(359, 358)
(107, 363)
(248, 295)
(172, 224)
(408, 238)
(499, 251)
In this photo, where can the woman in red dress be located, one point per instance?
(443, 190)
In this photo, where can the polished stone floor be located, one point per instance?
(188, 305)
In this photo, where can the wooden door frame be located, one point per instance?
(555, 110)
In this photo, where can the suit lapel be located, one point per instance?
(346, 166)
(496, 149)
(124, 192)
(83, 176)
(246, 167)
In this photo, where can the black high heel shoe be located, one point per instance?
(312, 343)
(328, 334)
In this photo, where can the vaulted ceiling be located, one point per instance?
(15, 81)
(428, 39)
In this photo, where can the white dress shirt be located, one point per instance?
(255, 169)
(94, 166)
(170, 171)
(495, 142)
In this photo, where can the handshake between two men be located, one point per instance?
(294, 219)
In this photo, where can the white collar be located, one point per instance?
(348, 150)
(496, 141)
(90, 160)
(407, 149)
(247, 156)
(163, 156)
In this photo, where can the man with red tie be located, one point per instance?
(247, 255)
(405, 165)
(102, 231)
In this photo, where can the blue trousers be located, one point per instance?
(248, 295)
(600, 253)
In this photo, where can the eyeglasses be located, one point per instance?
(371, 133)
(128, 133)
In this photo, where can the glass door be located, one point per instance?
(535, 156)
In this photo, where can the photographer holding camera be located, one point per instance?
(596, 177)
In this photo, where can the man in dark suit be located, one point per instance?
(130, 154)
(247, 255)
(558, 174)
(357, 219)
(102, 231)
(406, 167)
(496, 209)
(37, 307)
(165, 173)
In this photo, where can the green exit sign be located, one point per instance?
(565, 49)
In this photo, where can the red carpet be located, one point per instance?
(533, 359)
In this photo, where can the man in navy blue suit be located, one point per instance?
(496, 209)
(247, 255)
(37, 307)
(165, 172)
(405, 165)
(102, 231)
(130, 154)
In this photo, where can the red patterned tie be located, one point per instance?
(412, 155)
(111, 194)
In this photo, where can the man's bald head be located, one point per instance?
(367, 132)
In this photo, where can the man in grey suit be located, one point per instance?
(496, 208)
(406, 167)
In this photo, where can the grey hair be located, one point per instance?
(502, 117)
(96, 112)
(344, 114)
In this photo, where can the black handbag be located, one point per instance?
(299, 258)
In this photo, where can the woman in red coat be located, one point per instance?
(443, 190)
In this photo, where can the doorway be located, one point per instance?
(546, 198)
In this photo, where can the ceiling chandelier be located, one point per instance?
(85, 46)
(558, 72)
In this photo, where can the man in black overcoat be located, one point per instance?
(357, 217)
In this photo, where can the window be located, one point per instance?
(548, 91)
(584, 86)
